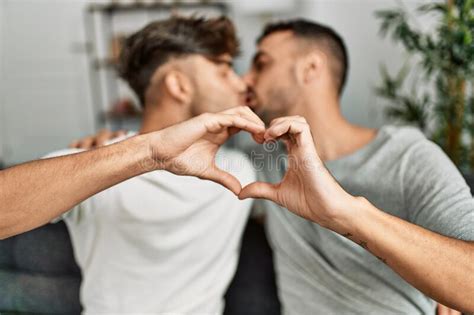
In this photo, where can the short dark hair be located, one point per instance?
(305, 29)
(152, 46)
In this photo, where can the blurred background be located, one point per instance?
(57, 79)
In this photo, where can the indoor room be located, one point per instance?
(236, 157)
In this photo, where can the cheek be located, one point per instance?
(261, 85)
(278, 95)
(267, 79)
(266, 85)
(216, 96)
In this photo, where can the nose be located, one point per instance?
(248, 78)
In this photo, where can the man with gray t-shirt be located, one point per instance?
(381, 221)
(401, 172)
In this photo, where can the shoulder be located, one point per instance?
(410, 143)
(402, 136)
(418, 151)
(414, 156)
(422, 160)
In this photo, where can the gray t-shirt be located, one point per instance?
(401, 173)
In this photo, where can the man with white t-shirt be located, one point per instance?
(159, 243)
(381, 221)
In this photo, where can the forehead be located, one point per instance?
(281, 42)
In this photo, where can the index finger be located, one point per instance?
(243, 123)
(246, 112)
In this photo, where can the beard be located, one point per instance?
(203, 102)
(278, 103)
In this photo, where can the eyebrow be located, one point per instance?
(221, 61)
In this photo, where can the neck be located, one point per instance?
(334, 136)
(162, 115)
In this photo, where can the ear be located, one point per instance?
(179, 86)
(309, 67)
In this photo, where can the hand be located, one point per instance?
(190, 147)
(444, 310)
(97, 140)
(307, 189)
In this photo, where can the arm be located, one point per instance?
(97, 140)
(439, 266)
(33, 193)
(444, 310)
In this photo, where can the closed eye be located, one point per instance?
(259, 61)
(259, 65)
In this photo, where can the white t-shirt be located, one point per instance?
(160, 243)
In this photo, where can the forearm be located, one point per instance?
(439, 266)
(33, 193)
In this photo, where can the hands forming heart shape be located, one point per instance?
(307, 189)
(190, 148)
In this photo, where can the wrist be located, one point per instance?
(350, 214)
(144, 152)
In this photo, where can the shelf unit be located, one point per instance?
(103, 23)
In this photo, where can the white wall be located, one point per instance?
(356, 23)
(44, 83)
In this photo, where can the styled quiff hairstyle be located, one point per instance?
(155, 44)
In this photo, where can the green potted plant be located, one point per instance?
(441, 102)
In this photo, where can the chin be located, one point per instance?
(266, 117)
(223, 108)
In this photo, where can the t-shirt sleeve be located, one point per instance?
(435, 193)
(69, 213)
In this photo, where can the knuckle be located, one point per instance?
(301, 118)
(241, 111)
(305, 126)
(274, 121)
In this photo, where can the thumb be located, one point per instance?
(259, 190)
